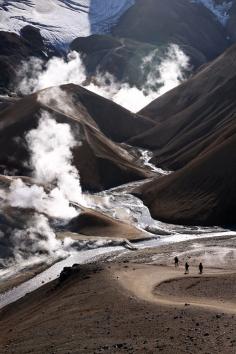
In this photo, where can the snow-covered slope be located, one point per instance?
(60, 21)
(219, 8)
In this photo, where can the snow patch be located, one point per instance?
(220, 10)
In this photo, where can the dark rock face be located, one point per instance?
(82, 271)
(33, 36)
(14, 49)
(231, 30)
(188, 24)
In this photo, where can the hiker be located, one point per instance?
(200, 268)
(176, 261)
(186, 268)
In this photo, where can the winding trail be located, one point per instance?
(143, 282)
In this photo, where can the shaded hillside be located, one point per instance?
(114, 121)
(187, 23)
(203, 192)
(231, 28)
(190, 117)
(101, 162)
(15, 48)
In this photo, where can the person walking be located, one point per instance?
(200, 268)
(186, 268)
(176, 261)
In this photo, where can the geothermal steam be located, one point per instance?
(50, 145)
(163, 77)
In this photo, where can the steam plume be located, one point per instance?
(50, 145)
(164, 76)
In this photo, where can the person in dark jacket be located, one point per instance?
(200, 268)
(176, 259)
(186, 268)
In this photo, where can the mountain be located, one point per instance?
(61, 21)
(128, 61)
(101, 162)
(201, 28)
(190, 129)
(192, 116)
(195, 134)
(141, 44)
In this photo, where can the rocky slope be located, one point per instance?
(203, 192)
(195, 134)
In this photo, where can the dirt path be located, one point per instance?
(144, 281)
(92, 313)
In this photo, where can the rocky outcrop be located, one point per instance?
(14, 49)
(81, 271)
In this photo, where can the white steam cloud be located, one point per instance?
(166, 75)
(36, 240)
(58, 183)
(50, 145)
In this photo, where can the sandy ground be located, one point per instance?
(126, 307)
(165, 286)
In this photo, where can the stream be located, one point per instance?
(120, 204)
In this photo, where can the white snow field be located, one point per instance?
(60, 21)
(220, 9)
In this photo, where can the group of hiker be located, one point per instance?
(200, 267)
